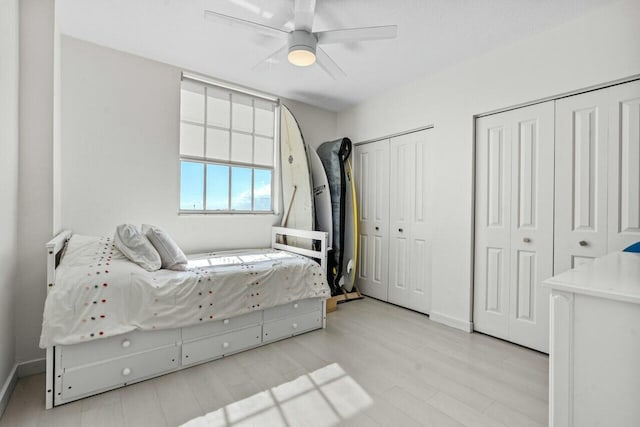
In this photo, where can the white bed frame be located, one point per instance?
(81, 370)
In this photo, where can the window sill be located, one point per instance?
(206, 213)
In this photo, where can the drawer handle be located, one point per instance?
(126, 344)
(126, 372)
(526, 240)
(377, 228)
(400, 230)
(225, 321)
(295, 326)
(583, 243)
(295, 306)
(225, 345)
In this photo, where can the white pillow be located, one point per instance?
(135, 246)
(170, 253)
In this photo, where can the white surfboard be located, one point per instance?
(321, 196)
(297, 194)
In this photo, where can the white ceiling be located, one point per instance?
(432, 35)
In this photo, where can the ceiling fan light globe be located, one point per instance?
(301, 57)
(302, 48)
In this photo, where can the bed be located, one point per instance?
(108, 323)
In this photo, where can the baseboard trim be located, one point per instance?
(19, 370)
(32, 367)
(7, 388)
(454, 322)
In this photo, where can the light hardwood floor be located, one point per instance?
(375, 364)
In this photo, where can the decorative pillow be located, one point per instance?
(135, 246)
(170, 253)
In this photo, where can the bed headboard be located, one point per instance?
(55, 249)
(279, 237)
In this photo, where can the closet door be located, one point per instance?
(532, 154)
(514, 224)
(493, 225)
(421, 238)
(581, 179)
(371, 164)
(410, 227)
(624, 166)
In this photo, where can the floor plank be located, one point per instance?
(374, 364)
(461, 412)
(417, 409)
(141, 405)
(510, 417)
(177, 401)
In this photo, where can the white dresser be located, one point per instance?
(595, 344)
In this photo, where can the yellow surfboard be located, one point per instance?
(351, 265)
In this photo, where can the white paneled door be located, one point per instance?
(531, 224)
(514, 224)
(597, 174)
(624, 166)
(371, 165)
(581, 179)
(493, 225)
(394, 188)
(410, 222)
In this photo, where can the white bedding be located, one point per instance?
(99, 293)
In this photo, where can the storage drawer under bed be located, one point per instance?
(121, 345)
(109, 363)
(217, 327)
(92, 379)
(291, 326)
(219, 345)
(293, 309)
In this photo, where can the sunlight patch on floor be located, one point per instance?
(321, 398)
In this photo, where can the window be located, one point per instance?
(227, 149)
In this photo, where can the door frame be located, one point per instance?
(394, 135)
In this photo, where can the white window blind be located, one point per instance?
(227, 149)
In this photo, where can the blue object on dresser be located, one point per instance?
(633, 248)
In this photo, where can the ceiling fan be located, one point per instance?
(302, 43)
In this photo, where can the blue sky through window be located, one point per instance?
(192, 187)
(261, 190)
(240, 189)
(217, 187)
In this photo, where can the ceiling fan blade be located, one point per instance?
(271, 58)
(357, 34)
(303, 14)
(232, 20)
(328, 65)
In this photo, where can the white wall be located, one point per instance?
(119, 150)
(35, 171)
(9, 80)
(317, 125)
(596, 48)
(57, 131)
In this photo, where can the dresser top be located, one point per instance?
(614, 276)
